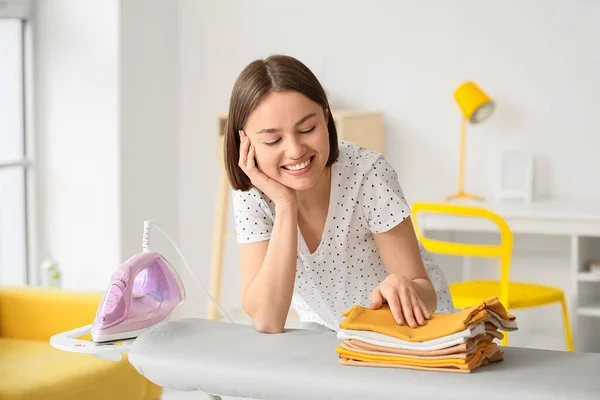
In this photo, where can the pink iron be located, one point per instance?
(142, 292)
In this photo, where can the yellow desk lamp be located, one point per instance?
(476, 107)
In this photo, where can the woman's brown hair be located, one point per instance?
(275, 73)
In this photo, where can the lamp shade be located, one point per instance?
(475, 105)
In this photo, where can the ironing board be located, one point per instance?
(221, 358)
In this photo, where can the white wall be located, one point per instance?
(77, 163)
(107, 99)
(537, 59)
(178, 63)
(149, 121)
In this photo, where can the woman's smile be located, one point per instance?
(299, 168)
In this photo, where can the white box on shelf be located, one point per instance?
(516, 176)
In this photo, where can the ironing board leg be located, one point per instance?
(213, 397)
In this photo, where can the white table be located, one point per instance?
(576, 223)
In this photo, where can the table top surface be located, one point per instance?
(558, 216)
(561, 209)
(234, 360)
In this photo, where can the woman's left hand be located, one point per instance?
(405, 304)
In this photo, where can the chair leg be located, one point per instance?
(504, 341)
(567, 326)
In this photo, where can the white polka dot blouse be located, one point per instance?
(365, 198)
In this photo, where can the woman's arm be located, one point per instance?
(268, 270)
(269, 267)
(401, 256)
(407, 289)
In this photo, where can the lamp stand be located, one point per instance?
(461, 194)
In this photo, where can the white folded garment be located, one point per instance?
(380, 339)
(501, 323)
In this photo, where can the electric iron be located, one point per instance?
(143, 292)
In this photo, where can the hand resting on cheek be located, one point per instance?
(278, 193)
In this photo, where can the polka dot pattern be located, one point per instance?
(366, 198)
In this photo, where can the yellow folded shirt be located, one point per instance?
(440, 325)
(447, 362)
(424, 355)
(490, 353)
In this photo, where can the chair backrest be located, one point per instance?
(503, 251)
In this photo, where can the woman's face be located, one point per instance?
(290, 136)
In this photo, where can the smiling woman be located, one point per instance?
(273, 104)
(321, 224)
(294, 152)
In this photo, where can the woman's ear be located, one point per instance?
(326, 113)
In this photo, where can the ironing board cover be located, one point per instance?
(234, 360)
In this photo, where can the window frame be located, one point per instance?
(26, 162)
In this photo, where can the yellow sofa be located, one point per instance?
(30, 368)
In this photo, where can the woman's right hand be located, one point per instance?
(277, 192)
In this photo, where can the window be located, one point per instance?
(13, 156)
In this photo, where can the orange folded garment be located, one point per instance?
(491, 353)
(493, 330)
(464, 357)
(462, 363)
(458, 350)
(440, 325)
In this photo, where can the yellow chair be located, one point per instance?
(513, 295)
(30, 368)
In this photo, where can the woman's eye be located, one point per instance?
(272, 142)
(308, 130)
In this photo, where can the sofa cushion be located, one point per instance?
(35, 370)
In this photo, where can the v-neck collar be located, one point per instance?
(302, 246)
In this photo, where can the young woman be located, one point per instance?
(321, 224)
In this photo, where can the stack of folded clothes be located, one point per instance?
(457, 342)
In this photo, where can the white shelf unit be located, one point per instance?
(587, 289)
(590, 310)
(563, 244)
(588, 277)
